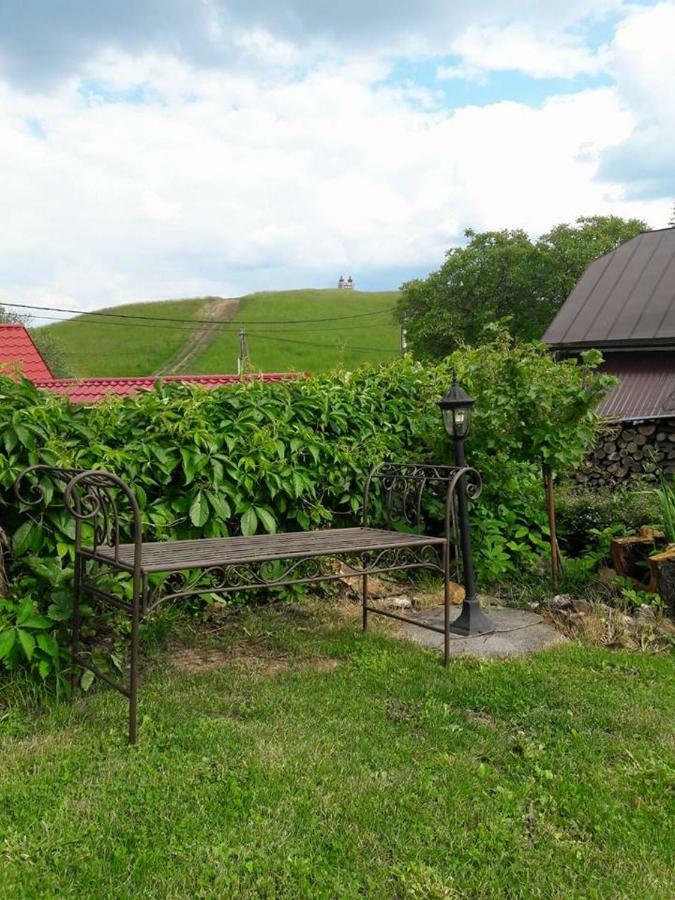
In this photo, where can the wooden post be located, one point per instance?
(550, 508)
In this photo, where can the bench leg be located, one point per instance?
(446, 604)
(75, 628)
(133, 665)
(364, 588)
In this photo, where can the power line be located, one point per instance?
(265, 337)
(114, 324)
(178, 328)
(107, 315)
(156, 323)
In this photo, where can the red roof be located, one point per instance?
(19, 355)
(91, 390)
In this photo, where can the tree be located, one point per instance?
(671, 221)
(50, 349)
(504, 276)
(7, 317)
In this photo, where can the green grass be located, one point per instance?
(320, 347)
(92, 346)
(387, 776)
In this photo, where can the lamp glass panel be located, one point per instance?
(462, 421)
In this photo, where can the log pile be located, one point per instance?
(629, 450)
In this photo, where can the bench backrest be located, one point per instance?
(108, 505)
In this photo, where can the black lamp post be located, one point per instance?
(457, 408)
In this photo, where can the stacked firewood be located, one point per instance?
(629, 450)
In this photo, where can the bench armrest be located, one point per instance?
(403, 485)
(91, 496)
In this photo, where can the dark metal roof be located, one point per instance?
(646, 388)
(624, 298)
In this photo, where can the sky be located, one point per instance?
(156, 149)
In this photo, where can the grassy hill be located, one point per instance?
(305, 330)
(310, 346)
(97, 346)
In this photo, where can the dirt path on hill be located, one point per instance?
(199, 340)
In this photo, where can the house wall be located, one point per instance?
(630, 450)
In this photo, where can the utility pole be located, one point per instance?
(404, 339)
(244, 357)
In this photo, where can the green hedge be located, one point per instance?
(285, 456)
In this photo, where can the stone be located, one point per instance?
(353, 581)
(645, 615)
(457, 592)
(581, 606)
(517, 632)
(398, 602)
(560, 602)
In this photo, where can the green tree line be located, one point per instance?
(505, 277)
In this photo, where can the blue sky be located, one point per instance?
(166, 148)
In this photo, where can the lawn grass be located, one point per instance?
(320, 348)
(379, 775)
(94, 346)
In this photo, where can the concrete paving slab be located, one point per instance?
(517, 632)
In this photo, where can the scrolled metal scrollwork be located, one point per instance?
(473, 483)
(269, 574)
(88, 501)
(403, 486)
(91, 495)
(32, 493)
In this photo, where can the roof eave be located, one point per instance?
(626, 344)
(645, 417)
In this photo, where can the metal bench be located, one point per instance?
(105, 509)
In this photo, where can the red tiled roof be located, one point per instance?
(19, 355)
(91, 390)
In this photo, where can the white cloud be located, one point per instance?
(521, 47)
(223, 177)
(642, 61)
(41, 41)
(145, 174)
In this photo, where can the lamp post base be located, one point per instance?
(472, 620)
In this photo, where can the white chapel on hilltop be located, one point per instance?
(347, 285)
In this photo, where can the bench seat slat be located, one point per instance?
(173, 556)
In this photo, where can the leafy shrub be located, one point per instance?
(666, 497)
(288, 456)
(583, 514)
